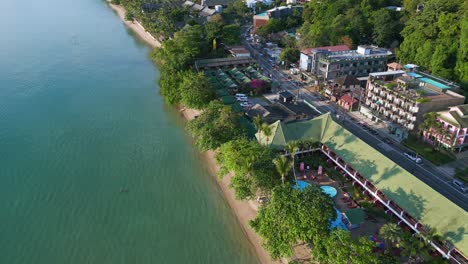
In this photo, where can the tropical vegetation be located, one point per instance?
(292, 216)
(252, 167)
(216, 125)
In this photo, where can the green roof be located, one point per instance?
(227, 100)
(222, 92)
(410, 193)
(355, 216)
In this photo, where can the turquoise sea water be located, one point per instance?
(80, 119)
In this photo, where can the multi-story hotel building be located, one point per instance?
(399, 99)
(335, 61)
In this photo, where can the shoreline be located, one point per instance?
(243, 210)
(135, 26)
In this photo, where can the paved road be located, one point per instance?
(426, 172)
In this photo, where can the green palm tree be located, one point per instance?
(392, 233)
(422, 128)
(292, 147)
(430, 122)
(266, 132)
(257, 120)
(283, 166)
(444, 135)
(415, 248)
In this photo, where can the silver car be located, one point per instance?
(413, 157)
(460, 185)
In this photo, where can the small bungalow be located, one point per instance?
(348, 103)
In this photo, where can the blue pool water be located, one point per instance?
(338, 223)
(414, 75)
(301, 185)
(435, 83)
(329, 190)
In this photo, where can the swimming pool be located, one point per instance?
(338, 222)
(301, 185)
(329, 190)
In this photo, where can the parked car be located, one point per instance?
(460, 185)
(242, 99)
(246, 104)
(413, 157)
(240, 95)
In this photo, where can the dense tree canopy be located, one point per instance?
(180, 52)
(238, 8)
(433, 39)
(292, 216)
(231, 34)
(251, 164)
(216, 125)
(340, 248)
(169, 84)
(362, 22)
(196, 91)
(290, 55)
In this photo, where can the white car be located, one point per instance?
(242, 99)
(413, 157)
(245, 104)
(240, 95)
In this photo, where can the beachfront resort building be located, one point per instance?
(399, 99)
(416, 206)
(331, 62)
(455, 126)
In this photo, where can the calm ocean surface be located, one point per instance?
(80, 119)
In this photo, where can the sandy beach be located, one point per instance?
(136, 27)
(244, 210)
